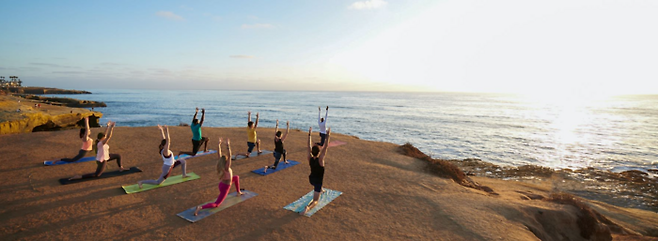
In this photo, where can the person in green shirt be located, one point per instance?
(197, 139)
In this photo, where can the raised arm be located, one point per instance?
(87, 130)
(276, 128)
(319, 114)
(203, 116)
(249, 116)
(309, 142)
(162, 132)
(219, 148)
(326, 113)
(287, 131)
(323, 152)
(256, 124)
(228, 160)
(195, 113)
(168, 143)
(110, 126)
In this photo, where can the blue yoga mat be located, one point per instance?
(253, 154)
(199, 153)
(84, 159)
(326, 197)
(230, 200)
(282, 165)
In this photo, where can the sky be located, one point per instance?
(575, 47)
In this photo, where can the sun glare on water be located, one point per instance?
(568, 114)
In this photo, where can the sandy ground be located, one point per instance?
(386, 196)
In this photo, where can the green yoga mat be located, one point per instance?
(170, 181)
(230, 200)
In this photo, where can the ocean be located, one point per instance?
(614, 133)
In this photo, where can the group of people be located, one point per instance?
(316, 155)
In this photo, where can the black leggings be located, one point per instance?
(100, 166)
(80, 155)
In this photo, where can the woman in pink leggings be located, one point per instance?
(225, 175)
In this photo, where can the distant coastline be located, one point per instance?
(42, 90)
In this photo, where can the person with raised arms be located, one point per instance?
(103, 153)
(252, 137)
(169, 163)
(225, 174)
(197, 138)
(279, 151)
(87, 144)
(316, 162)
(322, 122)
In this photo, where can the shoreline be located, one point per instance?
(386, 195)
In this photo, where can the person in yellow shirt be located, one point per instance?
(252, 137)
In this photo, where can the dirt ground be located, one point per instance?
(386, 196)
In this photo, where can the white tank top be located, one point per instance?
(168, 160)
(103, 152)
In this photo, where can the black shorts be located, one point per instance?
(317, 184)
(197, 144)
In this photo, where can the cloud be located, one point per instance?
(257, 26)
(170, 15)
(68, 72)
(51, 65)
(242, 56)
(370, 4)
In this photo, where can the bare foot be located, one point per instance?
(259, 152)
(196, 210)
(75, 177)
(286, 162)
(240, 193)
(139, 184)
(186, 176)
(265, 170)
(308, 207)
(121, 169)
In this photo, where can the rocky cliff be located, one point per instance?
(19, 115)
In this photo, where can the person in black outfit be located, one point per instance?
(316, 161)
(278, 146)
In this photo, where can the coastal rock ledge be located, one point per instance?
(34, 122)
(19, 115)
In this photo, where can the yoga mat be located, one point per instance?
(282, 165)
(253, 154)
(84, 159)
(199, 153)
(326, 197)
(230, 200)
(169, 181)
(132, 170)
(337, 143)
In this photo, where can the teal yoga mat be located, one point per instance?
(326, 197)
(253, 154)
(230, 200)
(198, 154)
